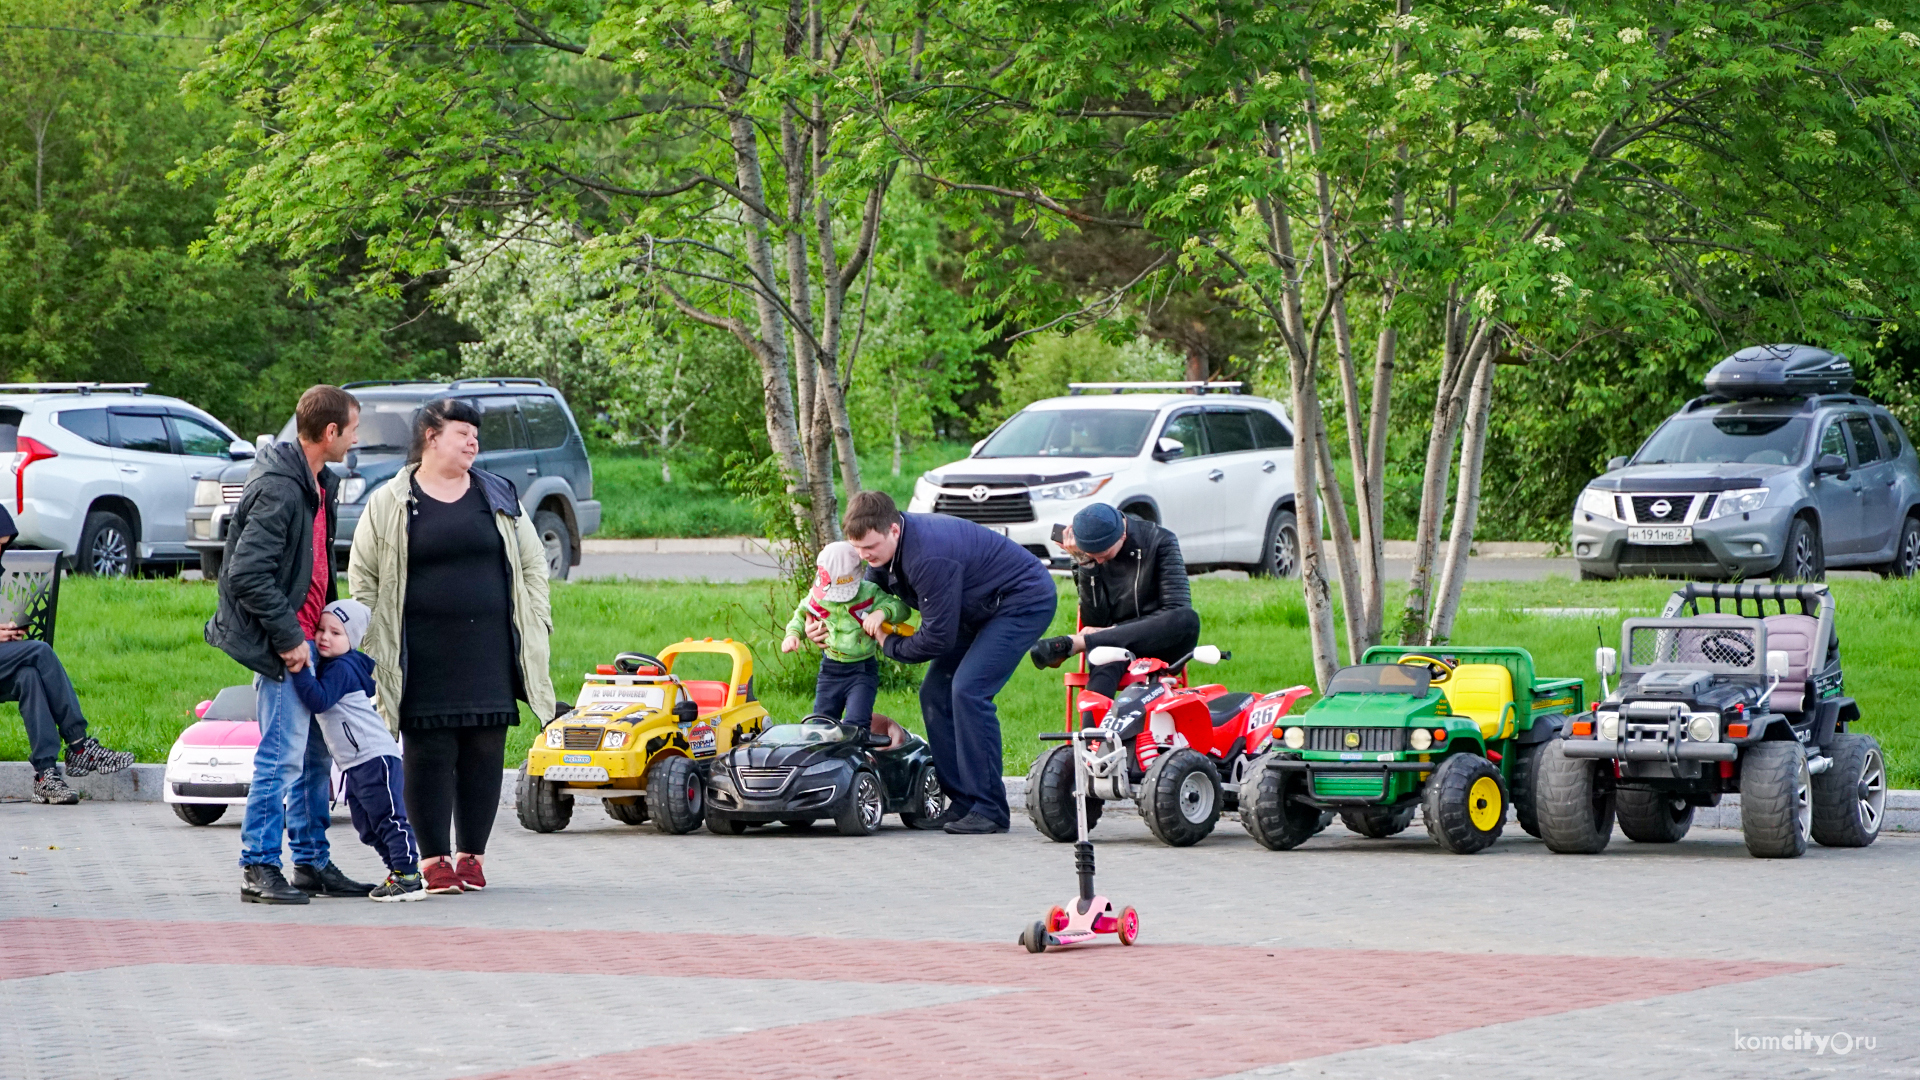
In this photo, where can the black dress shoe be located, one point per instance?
(1051, 652)
(934, 824)
(327, 881)
(263, 884)
(975, 825)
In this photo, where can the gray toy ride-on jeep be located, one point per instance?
(1716, 701)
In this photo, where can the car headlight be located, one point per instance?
(1703, 727)
(1295, 738)
(1420, 738)
(615, 740)
(208, 493)
(923, 488)
(1610, 726)
(556, 737)
(1073, 489)
(353, 489)
(1599, 503)
(1738, 502)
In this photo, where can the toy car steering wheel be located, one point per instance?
(1438, 671)
(630, 663)
(1727, 648)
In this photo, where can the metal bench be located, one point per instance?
(30, 591)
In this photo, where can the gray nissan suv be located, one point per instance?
(1777, 472)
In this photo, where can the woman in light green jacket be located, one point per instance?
(456, 578)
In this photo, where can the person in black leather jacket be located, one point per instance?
(1133, 590)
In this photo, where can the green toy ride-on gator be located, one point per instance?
(1715, 701)
(1455, 731)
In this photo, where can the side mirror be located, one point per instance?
(876, 739)
(1167, 449)
(1606, 660)
(239, 449)
(1618, 461)
(1830, 465)
(686, 711)
(1779, 664)
(353, 460)
(1108, 654)
(1207, 654)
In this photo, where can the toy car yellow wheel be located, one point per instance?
(676, 795)
(1129, 926)
(1465, 804)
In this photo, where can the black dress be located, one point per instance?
(460, 666)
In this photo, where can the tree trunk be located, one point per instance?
(1465, 341)
(1466, 507)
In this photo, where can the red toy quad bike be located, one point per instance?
(1178, 751)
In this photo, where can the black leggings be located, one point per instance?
(1164, 635)
(453, 778)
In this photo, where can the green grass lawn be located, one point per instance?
(135, 652)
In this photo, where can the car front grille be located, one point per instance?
(583, 738)
(1681, 507)
(212, 791)
(1006, 508)
(758, 778)
(1373, 739)
(1694, 554)
(1350, 786)
(232, 492)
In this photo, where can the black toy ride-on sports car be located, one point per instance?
(818, 768)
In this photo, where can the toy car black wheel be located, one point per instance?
(1271, 814)
(199, 813)
(1180, 798)
(627, 811)
(1523, 785)
(1652, 817)
(1776, 800)
(1035, 937)
(1050, 797)
(540, 805)
(676, 795)
(1465, 804)
(1573, 798)
(1378, 822)
(721, 826)
(866, 804)
(1849, 799)
(927, 803)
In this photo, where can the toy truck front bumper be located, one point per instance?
(1343, 781)
(1650, 750)
(623, 768)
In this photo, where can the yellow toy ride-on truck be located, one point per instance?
(640, 741)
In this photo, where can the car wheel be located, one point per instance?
(928, 803)
(1280, 554)
(723, 826)
(676, 795)
(1776, 800)
(1465, 804)
(1050, 797)
(1805, 558)
(210, 564)
(106, 545)
(1906, 553)
(1652, 817)
(199, 813)
(627, 812)
(1572, 801)
(1378, 822)
(866, 804)
(1181, 798)
(1271, 814)
(1850, 799)
(556, 540)
(539, 805)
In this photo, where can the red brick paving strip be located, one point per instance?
(1152, 1012)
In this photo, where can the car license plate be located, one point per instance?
(1660, 534)
(576, 774)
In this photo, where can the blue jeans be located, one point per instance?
(846, 691)
(291, 773)
(956, 705)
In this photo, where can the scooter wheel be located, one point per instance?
(1129, 925)
(1035, 938)
(1057, 918)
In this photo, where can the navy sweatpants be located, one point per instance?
(956, 705)
(376, 800)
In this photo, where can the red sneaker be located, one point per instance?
(440, 878)
(468, 871)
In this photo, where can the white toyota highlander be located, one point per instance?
(1216, 468)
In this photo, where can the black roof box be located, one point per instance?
(1780, 371)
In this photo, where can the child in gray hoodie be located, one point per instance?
(340, 695)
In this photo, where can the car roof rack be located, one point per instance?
(504, 380)
(135, 388)
(388, 382)
(1203, 386)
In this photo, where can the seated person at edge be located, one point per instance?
(841, 597)
(1133, 590)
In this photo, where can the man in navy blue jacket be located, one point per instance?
(983, 601)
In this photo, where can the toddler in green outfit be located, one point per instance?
(841, 596)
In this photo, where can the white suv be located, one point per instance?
(1216, 468)
(105, 472)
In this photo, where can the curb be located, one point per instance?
(139, 783)
(665, 545)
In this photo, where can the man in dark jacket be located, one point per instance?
(277, 576)
(1133, 589)
(983, 601)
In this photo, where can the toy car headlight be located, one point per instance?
(1703, 727)
(1738, 502)
(1599, 503)
(1295, 738)
(615, 740)
(1609, 726)
(556, 737)
(820, 767)
(1420, 738)
(1073, 489)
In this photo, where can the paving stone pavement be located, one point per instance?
(612, 951)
